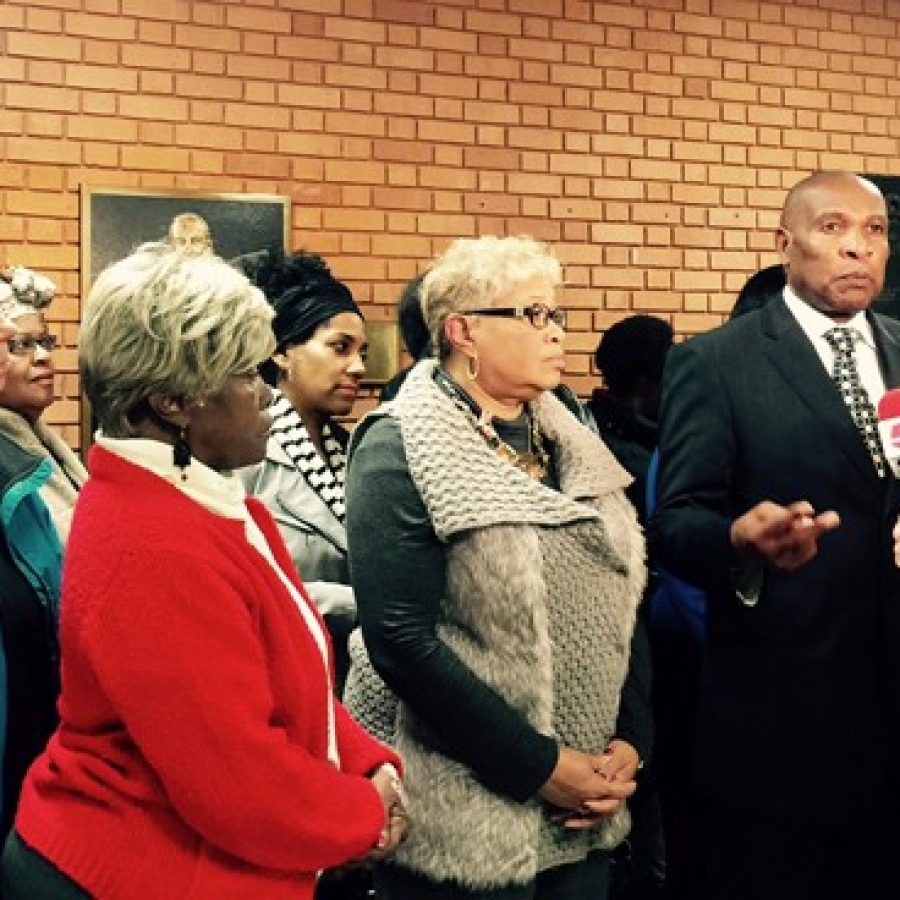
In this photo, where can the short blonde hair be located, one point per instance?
(474, 272)
(160, 322)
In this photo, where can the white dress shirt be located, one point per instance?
(815, 324)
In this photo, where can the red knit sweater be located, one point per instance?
(191, 758)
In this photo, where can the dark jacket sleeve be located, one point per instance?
(398, 570)
(689, 532)
(635, 721)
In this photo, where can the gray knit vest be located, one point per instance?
(541, 595)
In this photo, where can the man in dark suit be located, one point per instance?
(772, 499)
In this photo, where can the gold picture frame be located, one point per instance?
(116, 220)
(383, 359)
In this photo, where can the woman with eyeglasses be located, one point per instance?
(498, 569)
(39, 482)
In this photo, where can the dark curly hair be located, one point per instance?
(302, 291)
(632, 349)
(411, 320)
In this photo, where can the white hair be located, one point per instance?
(160, 322)
(474, 272)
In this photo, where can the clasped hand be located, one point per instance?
(589, 787)
(387, 783)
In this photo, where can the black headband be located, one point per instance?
(301, 309)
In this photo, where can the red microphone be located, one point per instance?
(889, 428)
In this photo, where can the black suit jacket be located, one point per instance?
(796, 711)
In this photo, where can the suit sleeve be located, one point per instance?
(689, 532)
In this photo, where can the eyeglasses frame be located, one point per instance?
(26, 344)
(557, 315)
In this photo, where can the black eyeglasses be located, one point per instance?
(538, 314)
(25, 344)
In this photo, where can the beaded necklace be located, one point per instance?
(534, 462)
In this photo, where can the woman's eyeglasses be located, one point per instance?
(539, 315)
(26, 344)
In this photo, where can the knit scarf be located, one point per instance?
(324, 476)
(68, 476)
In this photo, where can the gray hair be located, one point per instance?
(160, 322)
(474, 272)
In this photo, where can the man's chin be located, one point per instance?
(844, 305)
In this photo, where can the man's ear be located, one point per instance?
(172, 410)
(783, 240)
(457, 330)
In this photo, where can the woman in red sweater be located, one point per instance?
(200, 752)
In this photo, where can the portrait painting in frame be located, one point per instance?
(115, 221)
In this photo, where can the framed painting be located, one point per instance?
(889, 301)
(115, 221)
(383, 360)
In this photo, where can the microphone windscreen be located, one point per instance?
(889, 405)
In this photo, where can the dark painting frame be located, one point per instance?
(888, 302)
(116, 220)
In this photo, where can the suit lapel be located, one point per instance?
(794, 357)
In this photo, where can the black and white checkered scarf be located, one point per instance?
(324, 476)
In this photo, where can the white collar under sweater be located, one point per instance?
(223, 495)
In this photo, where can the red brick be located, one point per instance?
(12, 17)
(586, 76)
(207, 38)
(155, 159)
(438, 177)
(171, 10)
(107, 28)
(653, 170)
(443, 132)
(696, 109)
(705, 25)
(542, 185)
(248, 18)
(47, 205)
(355, 30)
(43, 46)
(534, 139)
(500, 113)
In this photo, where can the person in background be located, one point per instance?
(201, 751)
(773, 498)
(190, 234)
(316, 370)
(498, 568)
(761, 287)
(39, 482)
(630, 357)
(413, 331)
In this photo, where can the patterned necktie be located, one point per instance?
(845, 375)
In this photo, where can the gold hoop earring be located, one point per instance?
(472, 368)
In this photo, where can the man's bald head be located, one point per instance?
(799, 195)
(833, 242)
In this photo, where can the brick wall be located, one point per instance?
(650, 142)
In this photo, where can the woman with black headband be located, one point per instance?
(316, 370)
